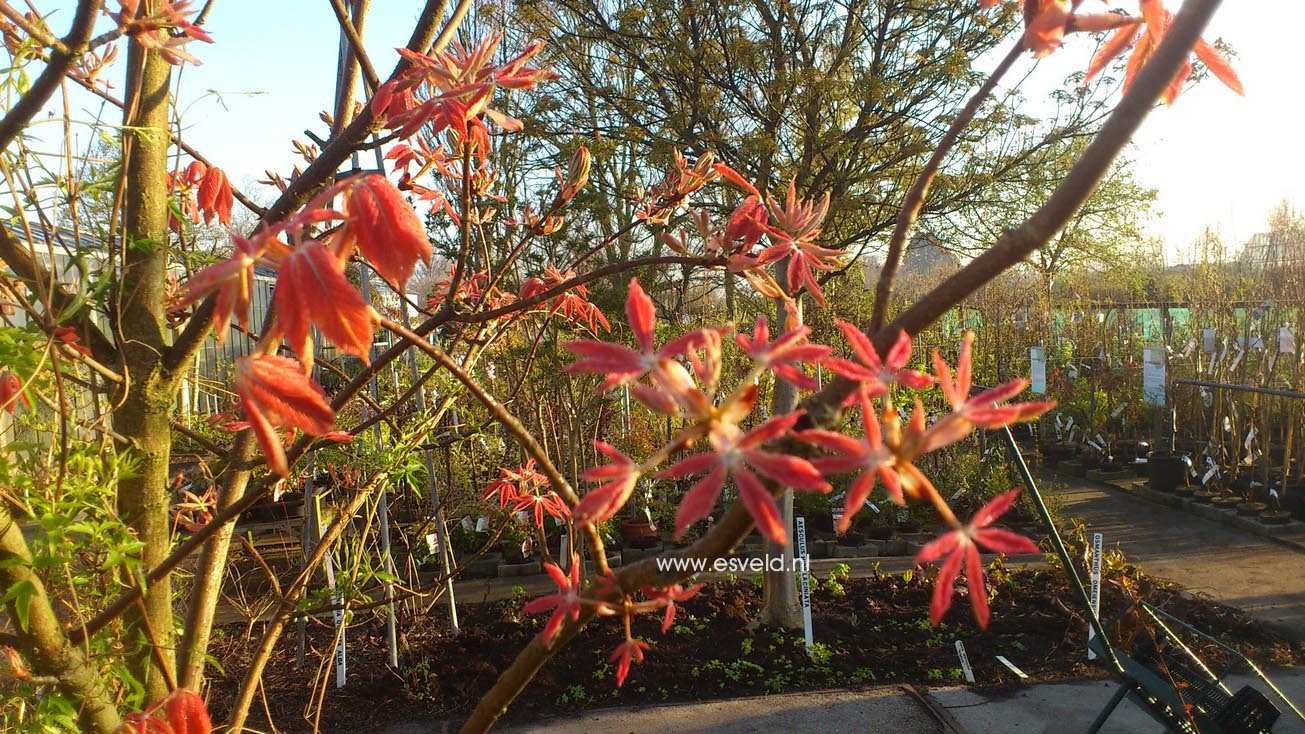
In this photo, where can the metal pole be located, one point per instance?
(437, 507)
(1075, 582)
(383, 511)
(306, 543)
(1231, 387)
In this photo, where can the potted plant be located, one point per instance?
(1166, 470)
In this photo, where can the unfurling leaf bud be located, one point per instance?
(577, 176)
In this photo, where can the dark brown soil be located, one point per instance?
(869, 631)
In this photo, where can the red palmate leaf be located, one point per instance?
(961, 546)
(274, 393)
(215, 198)
(385, 229)
(187, 713)
(311, 290)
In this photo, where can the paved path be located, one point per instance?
(1053, 708)
(1044, 708)
(1264, 578)
(889, 709)
(834, 712)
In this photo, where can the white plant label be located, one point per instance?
(1095, 593)
(341, 647)
(1153, 375)
(1286, 340)
(1191, 345)
(1237, 360)
(965, 662)
(1038, 370)
(1002, 659)
(872, 506)
(1208, 476)
(806, 581)
(1207, 341)
(1250, 436)
(1122, 406)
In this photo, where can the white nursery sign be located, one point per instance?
(1038, 370)
(1153, 375)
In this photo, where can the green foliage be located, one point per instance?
(420, 680)
(80, 550)
(833, 583)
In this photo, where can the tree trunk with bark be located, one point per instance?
(780, 602)
(140, 323)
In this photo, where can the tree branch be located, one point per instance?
(42, 639)
(208, 579)
(914, 202)
(284, 611)
(318, 174)
(823, 408)
(21, 261)
(61, 59)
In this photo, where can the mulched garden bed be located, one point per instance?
(870, 631)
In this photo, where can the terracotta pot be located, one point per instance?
(638, 533)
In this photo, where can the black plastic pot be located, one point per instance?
(1275, 517)
(1294, 503)
(1166, 471)
(1251, 509)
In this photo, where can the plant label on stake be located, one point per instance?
(965, 662)
(1038, 370)
(1002, 659)
(1153, 375)
(341, 648)
(1207, 341)
(1095, 593)
(1237, 360)
(805, 560)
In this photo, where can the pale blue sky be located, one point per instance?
(1216, 159)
